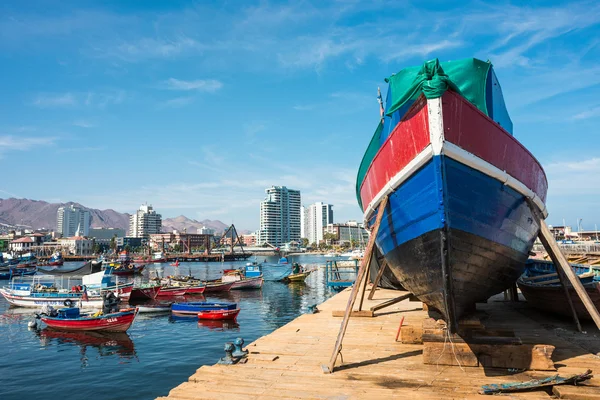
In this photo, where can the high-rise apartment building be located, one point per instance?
(279, 216)
(315, 218)
(72, 220)
(144, 222)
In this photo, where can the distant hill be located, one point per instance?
(182, 223)
(37, 214)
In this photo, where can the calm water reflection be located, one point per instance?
(156, 354)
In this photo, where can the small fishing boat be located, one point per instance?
(159, 257)
(144, 291)
(154, 308)
(89, 267)
(283, 260)
(196, 307)
(332, 255)
(56, 260)
(196, 289)
(299, 277)
(250, 278)
(127, 269)
(170, 291)
(219, 314)
(218, 286)
(542, 289)
(175, 264)
(11, 272)
(70, 319)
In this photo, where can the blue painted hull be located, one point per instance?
(454, 236)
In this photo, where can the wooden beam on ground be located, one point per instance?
(391, 302)
(578, 392)
(359, 276)
(360, 313)
(382, 268)
(560, 261)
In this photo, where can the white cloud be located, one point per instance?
(176, 102)
(591, 113)
(81, 123)
(10, 143)
(200, 85)
(79, 99)
(150, 48)
(47, 100)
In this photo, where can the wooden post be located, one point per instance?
(364, 286)
(361, 272)
(560, 261)
(382, 268)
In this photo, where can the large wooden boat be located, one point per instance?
(71, 319)
(542, 288)
(196, 307)
(463, 194)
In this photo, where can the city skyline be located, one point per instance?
(197, 108)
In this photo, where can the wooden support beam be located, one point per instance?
(361, 313)
(382, 268)
(560, 261)
(359, 276)
(391, 302)
(519, 356)
(364, 286)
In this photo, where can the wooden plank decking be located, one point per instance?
(286, 364)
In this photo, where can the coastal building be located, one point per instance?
(185, 242)
(280, 219)
(205, 230)
(315, 218)
(144, 222)
(351, 233)
(249, 239)
(77, 245)
(21, 244)
(70, 220)
(103, 236)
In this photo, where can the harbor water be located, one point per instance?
(157, 353)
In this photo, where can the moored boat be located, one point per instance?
(218, 286)
(70, 319)
(541, 287)
(154, 308)
(144, 291)
(170, 291)
(196, 307)
(219, 314)
(250, 278)
(195, 289)
(458, 226)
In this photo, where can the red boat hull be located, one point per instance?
(144, 293)
(171, 291)
(219, 287)
(195, 289)
(219, 314)
(116, 322)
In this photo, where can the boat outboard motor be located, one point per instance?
(110, 303)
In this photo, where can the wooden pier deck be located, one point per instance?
(286, 364)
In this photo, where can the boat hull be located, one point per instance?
(218, 287)
(196, 289)
(458, 228)
(247, 284)
(219, 315)
(115, 322)
(171, 291)
(144, 293)
(195, 308)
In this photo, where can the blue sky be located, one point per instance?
(197, 107)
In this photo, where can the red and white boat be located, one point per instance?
(219, 314)
(169, 291)
(198, 289)
(144, 292)
(71, 319)
(218, 286)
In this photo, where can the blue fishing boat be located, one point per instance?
(463, 196)
(196, 307)
(541, 287)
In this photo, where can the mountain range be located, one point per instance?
(38, 214)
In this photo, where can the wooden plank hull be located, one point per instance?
(116, 322)
(458, 227)
(553, 299)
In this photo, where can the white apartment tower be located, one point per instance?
(72, 220)
(144, 222)
(315, 218)
(280, 217)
